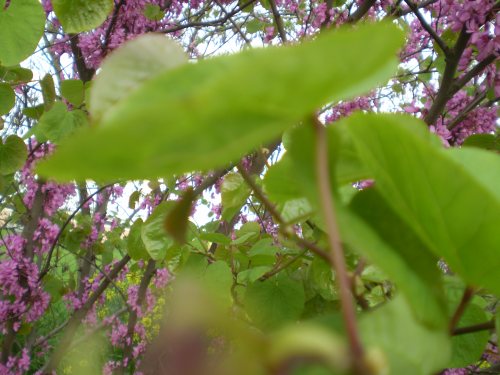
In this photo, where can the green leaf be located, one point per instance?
(13, 154)
(320, 278)
(54, 286)
(34, 112)
(153, 232)
(215, 237)
(447, 202)
(252, 274)
(58, 123)
(135, 245)
(218, 279)
(177, 219)
(72, 90)
(15, 74)
(196, 118)
(21, 27)
(409, 347)
(274, 302)
(400, 253)
(77, 16)
(133, 199)
(153, 12)
(48, 91)
(7, 98)
(234, 193)
(135, 62)
(484, 141)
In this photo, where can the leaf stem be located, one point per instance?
(336, 249)
(466, 297)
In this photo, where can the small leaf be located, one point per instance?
(153, 233)
(133, 199)
(176, 221)
(34, 112)
(48, 91)
(153, 12)
(72, 90)
(77, 16)
(21, 27)
(274, 302)
(234, 193)
(13, 154)
(7, 98)
(135, 62)
(135, 245)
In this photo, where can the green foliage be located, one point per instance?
(13, 154)
(21, 27)
(81, 15)
(136, 62)
(234, 193)
(153, 233)
(73, 91)
(408, 347)
(7, 98)
(446, 203)
(135, 245)
(275, 301)
(163, 118)
(58, 123)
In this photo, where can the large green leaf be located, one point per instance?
(446, 200)
(13, 154)
(409, 347)
(81, 15)
(276, 301)
(398, 251)
(200, 116)
(7, 98)
(153, 233)
(134, 63)
(21, 27)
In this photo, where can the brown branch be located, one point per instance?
(477, 69)
(465, 112)
(474, 328)
(361, 11)
(112, 24)
(457, 315)
(444, 47)
(84, 72)
(336, 250)
(445, 87)
(278, 21)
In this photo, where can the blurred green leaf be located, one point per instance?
(21, 27)
(234, 193)
(196, 118)
(135, 62)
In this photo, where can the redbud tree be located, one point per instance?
(249, 187)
